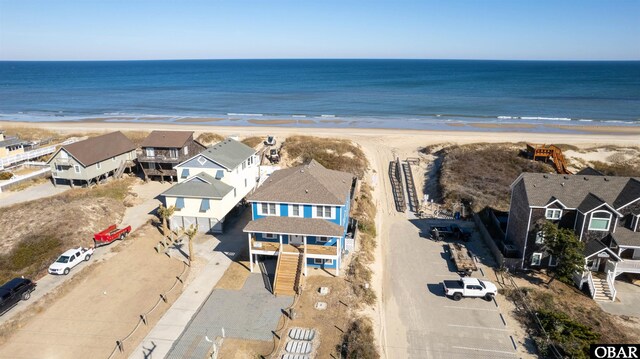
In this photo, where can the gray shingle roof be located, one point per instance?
(12, 142)
(295, 225)
(574, 190)
(99, 148)
(198, 187)
(167, 139)
(626, 237)
(228, 153)
(310, 183)
(589, 171)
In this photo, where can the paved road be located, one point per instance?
(421, 321)
(29, 194)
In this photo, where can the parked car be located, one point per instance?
(70, 259)
(270, 141)
(110, 234)
(14, 291)
(469, 287)
(453, 231)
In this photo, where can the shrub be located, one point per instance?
(209, 138)
(359, 341)
(624, 169)
(5, 176)
(570, 336)
(30, 256)
(252, 141)
(335, 154)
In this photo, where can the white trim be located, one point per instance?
(300, 210)
(604, 249)
(554, 201)
(197, 197)
(318, 261)
(269, 235)
(565, 208)
(600, 229)
(328, 262)
(314, 212)
(526, 238)
(540, 237)
(297, 234)
(76, 168)
(635, 200)
(326, 239)
(553, 211)
(302, 204)
(555, 264)
(98, 165)
(603, 204)
(536, 254)
(261, 213)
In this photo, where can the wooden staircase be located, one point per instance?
(549, 152)
(603, 291)
(288, 270)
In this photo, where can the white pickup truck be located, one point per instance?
(70, 259)
(469, 287)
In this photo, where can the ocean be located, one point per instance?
(420, 94)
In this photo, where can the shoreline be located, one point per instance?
(627, 136)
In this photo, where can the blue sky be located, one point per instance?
(449, 29)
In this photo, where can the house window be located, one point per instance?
(322, 239)
(150, 151)
(185, 173)
(173, 153)
(179, 203)
(328, 261)
(536, 258)
(553, 213)
(269, 236)
(553, 261)
(185, 150)
(58, 168)
(76, 168)
(323, 212)
(98, 165)
(539, 237)
(204, 205)
(600, 221)
(201, 160)
(244, 165)
(317, 261)
(267, 209)
(245, 182)
(250, 161)
(219, 174)
(295, 210)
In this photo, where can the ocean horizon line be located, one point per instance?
(331, 59)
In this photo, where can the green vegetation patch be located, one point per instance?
(252, 141)
(358, 341)
(31, 256)
(209, 138)
(335, 154)
(624, 169)
(481, 173)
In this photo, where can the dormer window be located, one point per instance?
(201, 160)
(553, 213)
(151, 152)
(600, 221)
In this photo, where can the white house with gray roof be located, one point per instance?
(211, 184)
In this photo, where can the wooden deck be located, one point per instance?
(549, 152)
(311, 248)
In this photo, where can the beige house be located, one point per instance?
(92, 160)
(10, 146)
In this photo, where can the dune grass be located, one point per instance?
(335, 154)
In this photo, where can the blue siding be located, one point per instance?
(311, 264)
(307, 211)
(284, 210)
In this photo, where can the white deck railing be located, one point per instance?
(610, 280)
(592, 286)
(627, 266)
(39, 152)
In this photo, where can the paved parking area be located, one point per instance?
(627, 300)
(250, 313)
(429, 325)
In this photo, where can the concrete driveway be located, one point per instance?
(627, 300)
(420, 321)
(29, 194)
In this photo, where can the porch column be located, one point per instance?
(250, 253)
(338, 256)
(619, 250)
(280, 238)
(304, 255)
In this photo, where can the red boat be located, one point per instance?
(110, 234)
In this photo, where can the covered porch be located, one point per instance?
(317, 241)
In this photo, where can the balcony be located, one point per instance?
(311, 248)
(161, 159)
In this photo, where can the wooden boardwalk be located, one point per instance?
(287, 274)
(395, 176)
(411, 187)
(549, 152)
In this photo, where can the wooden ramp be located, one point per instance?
(287, 279)
(549, 152)
(395, 177)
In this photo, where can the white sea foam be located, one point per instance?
(507, 117)
(328, 116)
(299, 116)
(546, 118)
(245, 114)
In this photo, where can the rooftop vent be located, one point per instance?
(585, 178)
(606, 179)
(562, 184)
(306, 191)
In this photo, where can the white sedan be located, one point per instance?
(70, 259)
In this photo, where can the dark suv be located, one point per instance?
(13, 291)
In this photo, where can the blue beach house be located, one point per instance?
(301, 215)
